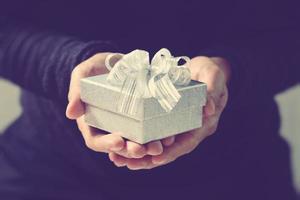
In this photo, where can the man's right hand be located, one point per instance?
(96, 139)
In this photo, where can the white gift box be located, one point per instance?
(151, 122)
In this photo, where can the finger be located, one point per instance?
(154, 148)
(119, 161)
(168, 141)
(98, 141)
(214, 79)
(209, 73)
(133, 163)
(75, 108)
(210, 124)
(123, 153)
(224, 98)
(209, 108)
(141, 163)
(90, 67)
(184, 144)
(108, 142)
(169, 154)
(135, 150)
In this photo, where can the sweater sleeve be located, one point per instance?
(40, 60)
(262, 66)
(265, 60)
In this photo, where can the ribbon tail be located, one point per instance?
(165, 92)
(129, 97)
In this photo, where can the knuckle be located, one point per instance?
(194, 144)
(188, 150)
(212, 129)
(166, 160)
(81, 69)
(193, 147)
(89, 144)
(161, 161)
(79, 125)
(76, 71)
(203, 59)
(215, 71)
(169, 160)
(189, 147)
(173, 159)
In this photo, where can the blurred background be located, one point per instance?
(288, 102)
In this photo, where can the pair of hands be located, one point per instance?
(212, 71)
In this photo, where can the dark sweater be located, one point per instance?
(43, 155)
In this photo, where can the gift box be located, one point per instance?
(150, 121)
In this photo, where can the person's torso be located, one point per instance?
(185, 28)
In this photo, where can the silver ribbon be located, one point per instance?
(139, 79)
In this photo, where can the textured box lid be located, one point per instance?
(98, 92)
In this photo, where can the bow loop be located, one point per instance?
(138, 79)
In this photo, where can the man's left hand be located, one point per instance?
(215, 73)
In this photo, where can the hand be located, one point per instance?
(215, 73)
(96, 139)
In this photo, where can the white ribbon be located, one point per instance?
(138, 79)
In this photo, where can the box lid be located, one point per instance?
(98, 92)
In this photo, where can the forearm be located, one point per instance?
(41, 61)
(262, 66)
(270, 63)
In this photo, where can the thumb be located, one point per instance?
(75, 109)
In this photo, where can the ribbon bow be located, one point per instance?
(138, 79)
